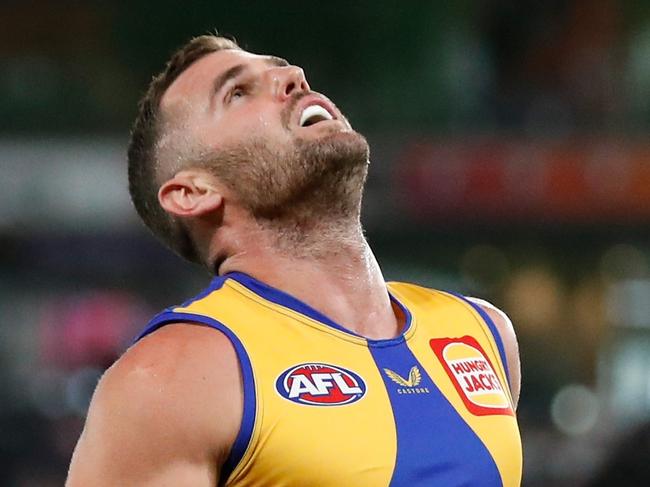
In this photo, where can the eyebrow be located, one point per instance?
(277, 61)
(238, 69)
(226, 76)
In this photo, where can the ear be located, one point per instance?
(190, 194)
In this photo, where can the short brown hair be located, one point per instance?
(142, 152)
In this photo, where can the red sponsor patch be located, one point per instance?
(473, 375)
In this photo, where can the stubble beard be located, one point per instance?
(315, 186)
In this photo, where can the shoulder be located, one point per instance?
(507, 334)
(498, 317)
(156, 406)
(179, 364)
(174, 351)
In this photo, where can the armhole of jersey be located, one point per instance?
(493, 330)
(245, 434)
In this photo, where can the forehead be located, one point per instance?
(196, 81)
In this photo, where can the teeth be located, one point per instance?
(313, 114)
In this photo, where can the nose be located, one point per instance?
(287, 80)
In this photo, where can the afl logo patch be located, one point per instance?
(319, 384)
(473, 376)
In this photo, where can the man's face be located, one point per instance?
(280, 146)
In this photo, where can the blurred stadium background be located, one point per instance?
(510, 160)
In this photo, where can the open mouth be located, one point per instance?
(314, 114)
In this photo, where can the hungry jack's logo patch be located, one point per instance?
(472, 374)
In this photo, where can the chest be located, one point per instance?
(381, 414)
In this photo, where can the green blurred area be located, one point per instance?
(71, 66)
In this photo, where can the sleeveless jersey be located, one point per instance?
(325, 407)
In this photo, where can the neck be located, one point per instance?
(333, 271)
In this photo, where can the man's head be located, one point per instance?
(223, 126)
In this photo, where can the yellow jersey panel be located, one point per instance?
(326, 407)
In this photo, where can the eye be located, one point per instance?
(236, 92)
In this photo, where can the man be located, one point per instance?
(299, 365)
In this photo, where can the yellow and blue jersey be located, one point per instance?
(326, 407)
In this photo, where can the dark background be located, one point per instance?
(510, 161)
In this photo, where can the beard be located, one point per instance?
(309, 184)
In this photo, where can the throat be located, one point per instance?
(318, 240)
